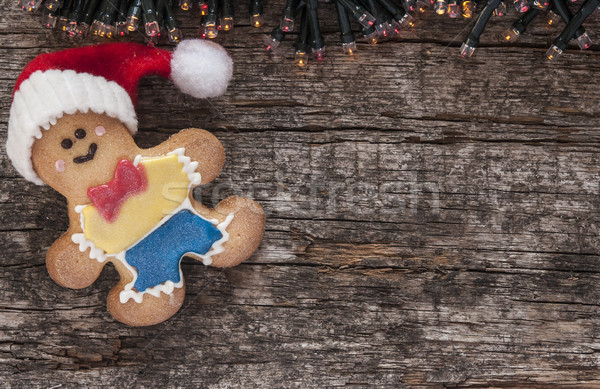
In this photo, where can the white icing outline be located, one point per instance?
(167, 287)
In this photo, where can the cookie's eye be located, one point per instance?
(66, 143)
(80, 133)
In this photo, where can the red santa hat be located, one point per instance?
(104, 79)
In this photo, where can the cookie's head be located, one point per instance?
(81, 151)
(74, 108)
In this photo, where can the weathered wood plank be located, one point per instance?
(431, 221)
(500, 269)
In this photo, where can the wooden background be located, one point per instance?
(431, 222)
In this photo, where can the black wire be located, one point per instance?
(160, 11)
(76, 10)
(149, 12)
(521, 24)
(102, 9)
(277, 34)
(227, 8)
(112, 12)
(135, 10)
(211, 10)
(303, 35)
(122, 14)
(561, 8)
(290, 9)
(255, 7)
(346, 34)
(397, 12)
(170, 21)
(472, 39)
(375, 10)
(313, 25)
(576, 21)
(357, 10)
(368, 31)
(64, 11)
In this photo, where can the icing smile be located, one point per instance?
(89, 156)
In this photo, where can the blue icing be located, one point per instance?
(157, 256)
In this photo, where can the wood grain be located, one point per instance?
(430, 222)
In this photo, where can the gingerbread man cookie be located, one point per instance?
(71, 124)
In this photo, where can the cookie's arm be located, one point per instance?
(70, 267)
(245, 230)
(67, 265)
(201, 146)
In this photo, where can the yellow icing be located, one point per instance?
(167, 189)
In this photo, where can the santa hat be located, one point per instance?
(103, 79)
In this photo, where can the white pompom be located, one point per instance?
(201, 68)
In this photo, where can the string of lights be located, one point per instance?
(573, 25)
(558, 9)
(381, 19)
(155, 18)
(377, 20)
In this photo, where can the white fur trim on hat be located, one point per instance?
(201, 68)
(45, 96)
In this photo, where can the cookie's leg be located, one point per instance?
(152, 310)
(70, 267)
(245, 230)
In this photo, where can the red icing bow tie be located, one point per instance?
(108, 198)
